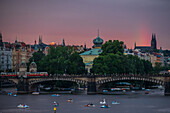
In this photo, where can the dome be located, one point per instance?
(52, 43)
(23, 65)
(98, 40)
(33, 65)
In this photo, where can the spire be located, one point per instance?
(40, 39)
(85, 47)
(63, 44)
(0, 37)
(16, 40)
(98, 32)
(1, 43)
(135, 45)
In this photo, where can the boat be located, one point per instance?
(23, 106)
(55, 104)
(103, 102)
(47, 88)
(10, 93)
(15, 95)
(105, 106)
(70, 100)
(115, 102)
(89, 105)
(35, 93)
(146, 92)
(55, 95)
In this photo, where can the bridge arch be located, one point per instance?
(35, 81)
(12, 82)
(157, 81)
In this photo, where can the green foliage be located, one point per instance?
(166, 52)
(112, 61)
(115, 47)
(158, 68)
(37, 56)
(120, 64)
(61, 60)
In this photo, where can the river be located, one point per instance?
(154, 102)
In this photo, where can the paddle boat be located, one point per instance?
(35, 93)
(89, 105)
(10, 93)
(55, 95)
(105, 106)
(70, 100)
(55, 104)
(115, 102)
(146, 92)
(15, 95)
(103, 102)
(23, 106)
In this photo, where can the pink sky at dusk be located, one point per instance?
(77, 21)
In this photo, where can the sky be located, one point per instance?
(77, 21)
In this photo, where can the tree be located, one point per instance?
(75, 64)
(115, 47)
(112, 60)
(61, 60)
(36, 57)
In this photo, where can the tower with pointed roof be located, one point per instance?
(89, 56)
(63, 43)
(153, 42)
(135, 45)
(97, 41)
(1, 43)
(16, 40)
(40, 40)
(35, 46)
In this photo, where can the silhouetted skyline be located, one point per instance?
(77, 21)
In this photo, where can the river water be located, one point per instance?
(154, 102)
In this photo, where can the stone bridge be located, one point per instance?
(93, 82)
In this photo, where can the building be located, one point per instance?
(33, 67)
(157, 58)
(20, 53)
(148, 48)
(89, 56)
(5, 55)
(38, 47)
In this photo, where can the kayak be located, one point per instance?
(22, 106)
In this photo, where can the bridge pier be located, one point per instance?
(91, 85)
(23, 86)
(167, 89)
(0, 84)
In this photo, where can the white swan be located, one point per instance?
(103, 102)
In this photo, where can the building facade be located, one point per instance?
(157, 58)
(20, 53)
(148, 48)
(89, 56)
(5, 56)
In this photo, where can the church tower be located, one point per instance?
(40, 39)
(1, 43)
(135, 45)
(63, 43)
(153, 42)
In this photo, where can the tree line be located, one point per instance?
(112, 60)
(60, 60)
(64, 60)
